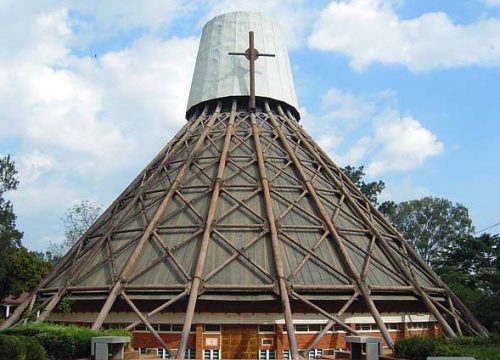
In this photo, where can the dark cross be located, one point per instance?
(251, 54)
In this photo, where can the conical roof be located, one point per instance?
(170, 202)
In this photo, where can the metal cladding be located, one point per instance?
(219, 75)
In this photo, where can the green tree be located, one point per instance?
(76, 220)
(10, 237)
(370, 189)
(471, 267)
(26, 270)
(431, 224)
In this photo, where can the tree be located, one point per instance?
(370, 189)
(471, 267)
(26, 270)
(431, 224)
(76, 220)
(10, 237)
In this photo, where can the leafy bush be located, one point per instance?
(12, 347)
(34, 350)
(21, 348)
(63, 342)
(479, 347)
(416, 348)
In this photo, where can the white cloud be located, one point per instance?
(403, 190)
(346, 106)
(368, 130)
(82, 122)
(405, 144)
(369, 31)
(492, 3)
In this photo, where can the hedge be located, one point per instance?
(419, 348)
(62, 342)
(21, 348)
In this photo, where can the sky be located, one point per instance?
(91, 90)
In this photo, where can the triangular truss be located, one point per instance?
(249, 202)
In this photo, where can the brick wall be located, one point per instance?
(243, 341)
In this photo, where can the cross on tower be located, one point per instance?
(251, 54)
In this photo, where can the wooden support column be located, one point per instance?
(158, 309)
(146, 322)
(388, 250)
(330, 324)
(344, 255)
(202, 255)
(75, 270)
(285, 301)
(125, 274)
(457, 324)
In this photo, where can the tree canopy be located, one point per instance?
(431, 224)
(10, 237)
(370, 189)
(76, 220)
(20, 269)
(470, 265)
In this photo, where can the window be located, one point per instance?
(267, 342)
(392, 326)
(190, 354)
(140, 327)
(419, 325)
(286, 354)
(141, 351)
(338, 328)
(267, 355)
(165, 327)
(266, 328)
(177, 327)
(172, 327)
(211, 354)
(315, 327)
(314, 353)
(366, 327)
(212, 328)
(301, 327)
(163, 353)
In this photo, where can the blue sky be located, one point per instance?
(89, 92)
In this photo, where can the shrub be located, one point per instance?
(479, 347)
(416, 348)
(63, 342)
(12, 347)
(21, 348)
(34, 350)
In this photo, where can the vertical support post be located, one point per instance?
(329, 324)
(118, 287)
(285, 300)
(202, 255)
(362, 288)
(388, 250)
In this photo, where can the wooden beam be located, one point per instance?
(202, 255)
(329, 325)
(158, 309)
(146, 322)
(338, 243)
(129, 265)
(285, 301)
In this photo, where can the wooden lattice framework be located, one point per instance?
(245, 201)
